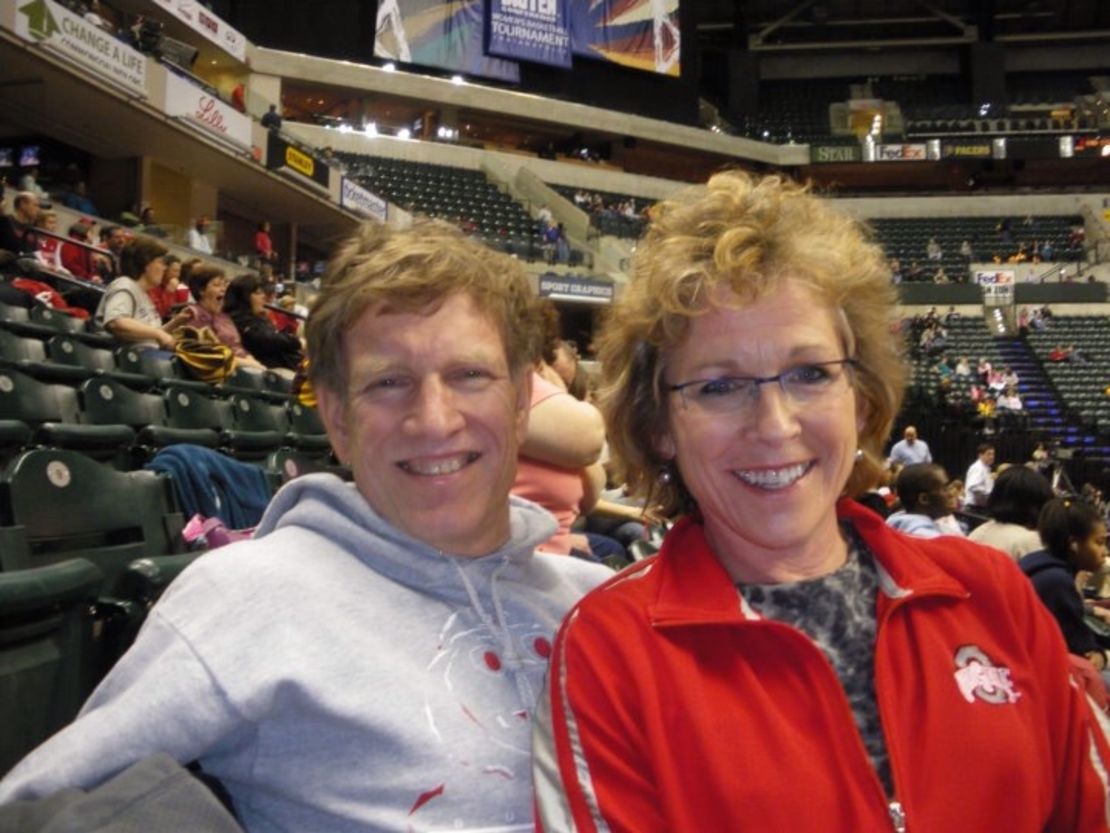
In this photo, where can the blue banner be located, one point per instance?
(529, 30)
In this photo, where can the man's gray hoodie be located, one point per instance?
(336, 674)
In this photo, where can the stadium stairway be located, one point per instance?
(1044, 410)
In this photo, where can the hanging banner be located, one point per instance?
(209, 26)
(201, 109)
(358, 199)
(450, 36)
(77, 40)
(642, 34)
(529, 30)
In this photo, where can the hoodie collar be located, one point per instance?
(336, 510)
(694, 587)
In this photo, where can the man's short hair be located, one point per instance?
(983, 448)
(412, 270)
(916, 480)
(22, 198)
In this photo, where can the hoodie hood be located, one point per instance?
(337, 511)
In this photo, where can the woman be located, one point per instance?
(245, 303)
(1074, 537)
(208, 285)
(1014, 504)
(126, 310)
(171, 292)
(788, 662)
(264, 244)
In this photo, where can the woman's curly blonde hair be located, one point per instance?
(745, 234)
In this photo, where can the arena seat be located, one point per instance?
(47, 662)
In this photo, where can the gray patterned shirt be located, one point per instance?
(837, 612)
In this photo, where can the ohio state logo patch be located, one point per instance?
(980, 679)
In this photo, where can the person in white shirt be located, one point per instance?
(910, 450)
(198, 237)
(979, 480)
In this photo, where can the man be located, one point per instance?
(17, 231)
(368, 661)
(923, 491)
(909, 450)
(271, 119)
(979, 480)
(198, 237)
(112, 239)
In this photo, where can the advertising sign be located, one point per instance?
(529, 30)
(642, 34)
(77, 40)
(900, 153)
(210, 26)
(998, 286)
(585, 290)
(201, 109)
(966, 150)
(355, 197)
(835, 153)
(286, 158)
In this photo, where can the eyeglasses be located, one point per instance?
(800, 385)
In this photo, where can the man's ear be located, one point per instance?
(332, 409)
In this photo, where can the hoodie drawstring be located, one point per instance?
(499, 628)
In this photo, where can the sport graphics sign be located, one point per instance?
(529, 30)
(567, 288)
(208, 25)
(358, 199)
(77, 40)
(201, 109)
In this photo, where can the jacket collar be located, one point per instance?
(694, 587)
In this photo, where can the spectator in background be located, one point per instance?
(979, 479)
(923, 491)
(963, 367)
(271, 119)
(1074, 540)
(29, 183)
(1014, 504)
(171, 292)
(17, 230)
(126, 310)
(113, 239)
(78, 199)
(966, 252)
(264, 244)
(149, 223)
(933, 250)
(1009, 400)
(245, 303)
(198, 237)
(49, 253)
(910, 449)
(80, 261)
(208, 286)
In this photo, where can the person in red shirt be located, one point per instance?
(264, 244)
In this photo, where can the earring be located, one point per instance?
(664, 476)
(859, 454)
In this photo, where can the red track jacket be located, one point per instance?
(670, 708)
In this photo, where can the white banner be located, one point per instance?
(213, 28)
(202, 109)
(71, 36)
(357, 198)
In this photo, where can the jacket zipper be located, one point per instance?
(897, 816)
(897, 811)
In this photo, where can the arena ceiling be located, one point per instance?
(774, 25)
